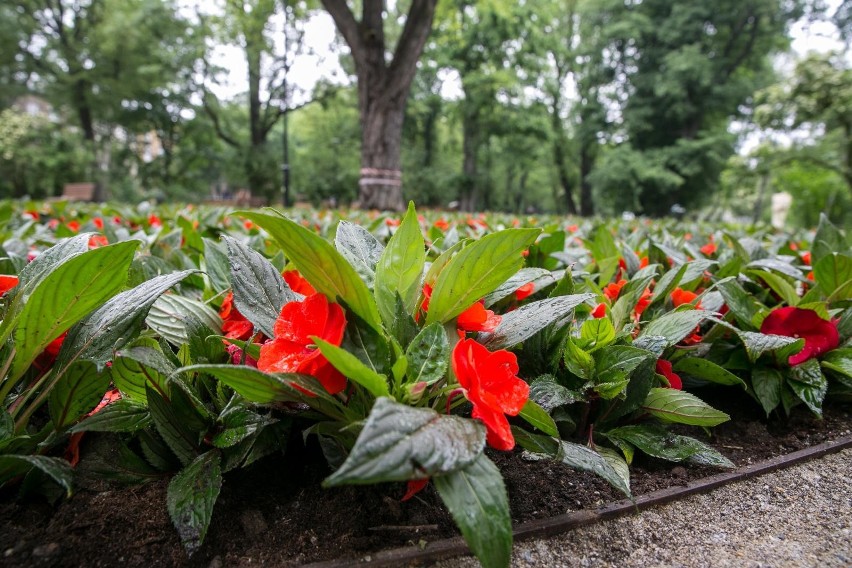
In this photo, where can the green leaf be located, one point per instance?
(477, 270)
(741, 303)
(476, 498)
(139, 366)
(778, 285)
(360, 248)
(65, 296)
(428, 355)
(399, 443)
(321, 265)
(519, 325)
(668, 282)
(757, 344)
(618, 463)
(613, 366)
(827, 240)
(767, 384)
(672, 405)
(77, 391)
(353, 368)
(839, 361)
(57, 469)
(537, 417)
(521, 277)
(834, 274)
(215, 265)
(675, 326)
(191, 495)
(778, 266)
(250, 383)
(400, 268)
(169, 314)
(573, 455)
(660, 443)
(181, 440)
(578, 361)
(809, 384)
(596, 333)
(707, 370)
(259, 289)
(109, 328)
(549, 394)
(123, 415)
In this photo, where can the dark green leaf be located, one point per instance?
(476, 498)
(537, 417)
(767, 384)
(77, 391)
(399, 443)
(191, 496)
(521, 324)
(757, 344)
(521, 277)
(259, 289)
(834, 274)
(122, 415)
(353, 368)
(613, 367)
(707, 370)
(809, 384)
(742, 305)
(57, 469)
(181, 440)
(549, 394)
(428, 355)
(113, 325)
(675, 326)
(169, 314)
(672, 405)
(360, 248)
(660, 443)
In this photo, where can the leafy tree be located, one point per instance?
(383, 87)
(681, 71)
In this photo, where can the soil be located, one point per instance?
(275, 513)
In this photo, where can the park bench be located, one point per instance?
(81, 192)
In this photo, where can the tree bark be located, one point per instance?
(587, 161)
(382, 91)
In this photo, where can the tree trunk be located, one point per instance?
(382, 91)
(587, 208)
(469, 194)
(380, 186)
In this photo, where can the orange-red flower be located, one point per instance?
(293, 351)
(475, 318)
(491, 384)
(665, 369)
(820, 335)
(806, 257)
(441, 224)
(297, 283)
(154, 221)
(98, 222)
(612, 291)
(599, 311)
(525, 291)
(681, 297)
(234, 324)
(709, 249)
(643, 302)
(96, 241)
(7, 282)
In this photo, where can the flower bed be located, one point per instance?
(399, 349)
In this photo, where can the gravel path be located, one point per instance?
(798, 517)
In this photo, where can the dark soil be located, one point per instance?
(276, 513)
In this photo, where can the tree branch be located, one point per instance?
(217, 126)
(418, 25)
(348, 27)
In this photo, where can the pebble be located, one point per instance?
(46, 550)
(742, 524)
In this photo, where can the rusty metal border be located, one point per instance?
(455, 546)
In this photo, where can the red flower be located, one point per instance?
(491, 384)
(806, 257)
(414, 487)
(709, 249)
(681, 297)
(599, 311)
(441, 224)
(297, 283)
(612, 291)
(72, 452)
(293, 350)
(524, 291)
(154, 221)
(643, 302)
(47, 358)
(475, 318)
(98, 222)
(96, 241)
(665, 369)
(7, 282)
(820, 335)
(234, 324)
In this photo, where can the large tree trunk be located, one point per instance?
(469, 190)
(587, 208)
(382, 91)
